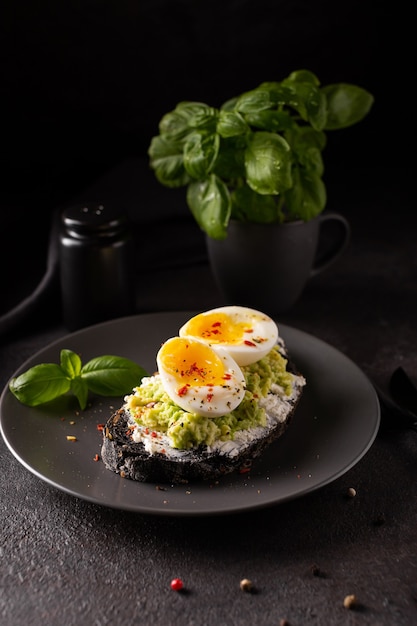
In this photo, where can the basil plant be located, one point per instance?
(258, 158)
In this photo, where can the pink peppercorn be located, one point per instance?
(176, 584)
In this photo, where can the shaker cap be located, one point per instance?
(93, 218)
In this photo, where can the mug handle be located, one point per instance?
(331, 249)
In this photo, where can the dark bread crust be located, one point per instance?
(131, 460)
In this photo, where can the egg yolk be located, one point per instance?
(192, 363)
(218, 328)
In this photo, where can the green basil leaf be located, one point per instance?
(186, 117)
(79, 388)
(70, 363)
(259, 99)
(308, 101)
(230, 163)
(303, 76)
(311, 160)
(231, 123)
(166, 158)
(110, 375)
(268, 163)
(209, 202)
(303, 137)
(230, 104)
(199, 115)
(347, 105)
(174, 125)
(41, 383)
(247, 205)
(307, 198)
(273, 121)
(200, 153)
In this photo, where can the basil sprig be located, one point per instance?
(257, 158)
(106, 375)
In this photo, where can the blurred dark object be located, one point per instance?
(43, 293)
(399, 406)
(404, 391)
(96, 265)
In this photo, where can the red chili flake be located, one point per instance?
(209, 397)
(182, 390)
(244, 470)
(146, 431)
(128, 432)
(194, 369)
(227, 377)
(96, 457)
(249, 343)
(216, 324)
(154, 434)
(100, 426)
(248, 330)
(177, 584)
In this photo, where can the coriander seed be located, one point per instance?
(350, 601)
(246, 584)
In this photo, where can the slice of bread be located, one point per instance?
(165, 464)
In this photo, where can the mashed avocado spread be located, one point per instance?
(152, 409)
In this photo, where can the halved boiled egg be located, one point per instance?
(248, 335)
(198, 378)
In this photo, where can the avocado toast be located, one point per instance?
(151, 438)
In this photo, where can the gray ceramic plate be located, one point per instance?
(335, 424)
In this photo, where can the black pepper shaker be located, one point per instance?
(96, 265)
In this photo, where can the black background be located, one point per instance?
(84, 83)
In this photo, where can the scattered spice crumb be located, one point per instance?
(351, 492)
(159, 488)
(379, 520)
(71, 438)
(284, 622)
(316, 571)
(350, 602)
(72, 422)
(177, 584)
(246, 584)
(96, 457)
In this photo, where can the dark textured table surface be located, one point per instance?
(68, 561)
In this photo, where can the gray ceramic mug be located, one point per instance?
(266, 266)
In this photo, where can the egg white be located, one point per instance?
(208, 400)
(246, 346)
